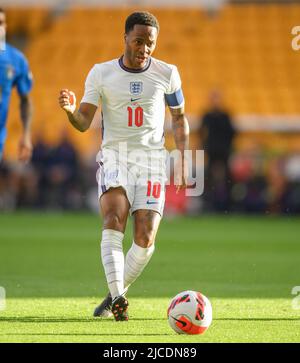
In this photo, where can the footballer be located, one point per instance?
(14, 72)
(133, 92)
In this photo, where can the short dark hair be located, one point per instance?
(2, 10)
(142, 18)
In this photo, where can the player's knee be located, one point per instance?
(113, 220)
(144, 239)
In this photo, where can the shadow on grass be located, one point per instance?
(257, 319)
(86, 334)
(34, 319)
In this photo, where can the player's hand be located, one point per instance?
(180, 174)
(25, 149)
(67, 100)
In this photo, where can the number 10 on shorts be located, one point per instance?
(153, 190)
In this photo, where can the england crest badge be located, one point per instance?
(136, 88)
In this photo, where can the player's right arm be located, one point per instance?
(82, 118)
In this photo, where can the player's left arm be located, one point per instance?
(181, 131)
(23, 83)
(175, 100)
(25, 144)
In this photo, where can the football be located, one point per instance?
(190, 312)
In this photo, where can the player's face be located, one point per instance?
(2, 21)
(2, 31)
(139, 45)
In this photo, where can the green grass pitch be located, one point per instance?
(247, 266)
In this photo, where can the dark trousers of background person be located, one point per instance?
(217, 187)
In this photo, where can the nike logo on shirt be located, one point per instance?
(135, 99)
(148, 202)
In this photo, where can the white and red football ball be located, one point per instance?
(190, 312)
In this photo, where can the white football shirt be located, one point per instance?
(133, 101)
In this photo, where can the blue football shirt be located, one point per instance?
(14, 72)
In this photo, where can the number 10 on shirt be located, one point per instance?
(135, 116)
(153, 189)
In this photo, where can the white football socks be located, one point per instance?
(113, 260)
(136, 260)
(118, 276)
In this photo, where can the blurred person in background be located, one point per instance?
(7, 188)
(57, 168)
(290, 198)
(14, 72)
(217, 133)
(62, 175)
(39, 161)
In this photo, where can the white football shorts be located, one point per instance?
(142, 175)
